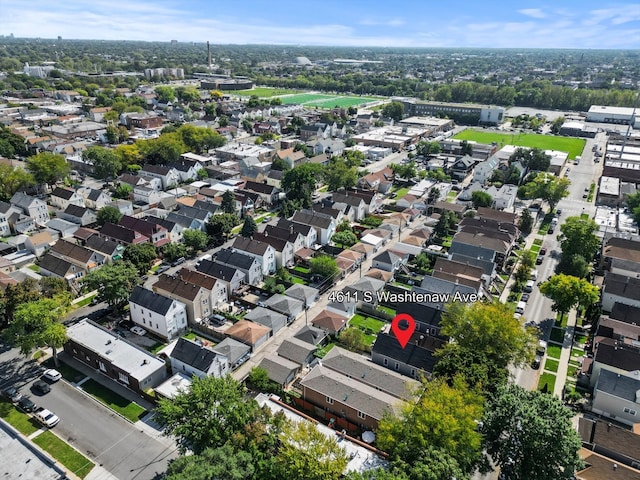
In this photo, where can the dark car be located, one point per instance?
(550, 231)
(12, 394)
(162, 269)
(41, 387)
(543, 251)
(27, 405)
(559, 212)
(539, 260)
(536, 362)
(524, 297)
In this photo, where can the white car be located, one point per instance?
(47, 417)
(138, 330)
(52, 375)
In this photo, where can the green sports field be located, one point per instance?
(573, 146)
(263, 92)
(311, 100)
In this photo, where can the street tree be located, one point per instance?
(219, 226)
(140, 255)
(249, 227)
(530, 435)
(426, 149)
(228, 203)
(567, 292)
(12, 180)
(106, 163)
(15, 295)
(108, 214)
(47, 168)
(223, 462)
(547, 187)
(207, 415)
(174, 250)
(574, 265)
(480, 198)
(200, 139)
(526, 221)
(578, 237)
(114, 282)
(440, 416)
(324, 265)
(194, 239)
(306, 453)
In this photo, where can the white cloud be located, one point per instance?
(394, 22)
(533, 12)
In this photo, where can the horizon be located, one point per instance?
(575, 25)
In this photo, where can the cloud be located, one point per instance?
(394, 22)
(533, 12)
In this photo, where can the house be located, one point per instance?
(268, 193)
(414, 360)
(124, 206)
(128, 364)
(617, 357)
(217, 289)
(621, 289)
(237, 353)
(376, 242)
(443, 288)
(338, 395)
(168, 175)
(365, 249)
(199, 217)
(617, 396)
(307, 295)
(411, 201)
(324, 225)
(284, 250)
(412, 245)
(247, 264)
(39, 243)
(80, 256)
(297, 351)
(311, 335)
(462, 167)
(264, 253)
(122, 235)
(597, 467)
(269, 318)
(6, 211)
(93, 198)
(161, 315)
(462, 273)
(78, 215)
(307, 232)
(249, 333)
(280, 370)
(191, 358)
(111, 250)
(158, 235)
(274, 178)
(615, 442)
(63, 197)
(346, 201)
(383, 275)
(364, 290)
(62, 228)
(32, 207)
(52, 266)
(621, 256)
(174, 230)
(187, 170)
(501, 247)
(387, 261)
(196, 299)
(504, 197)
(231, 277)
(380, 181)
(286, 305)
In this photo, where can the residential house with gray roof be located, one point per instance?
(617, 396)
(196, 299)
(286, 305)
(269, 318)
(324, 225)
(297, 351)
(63, 197)
(168, 175)
(111, 250)
(231, 277)
(237, 353)
(164, 316)
(80, 215)
(264, 253)
(280, 370)
(247, 264)
(191, 358)
(32, 207)
(122, 235)
(284, 251)
(312, 335)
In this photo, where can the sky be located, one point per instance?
(375, 23)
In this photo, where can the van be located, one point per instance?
(554, 221)
(520, 307)
(528, 288)
(534, 275)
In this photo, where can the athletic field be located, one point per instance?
(310, 100)
(573, 146)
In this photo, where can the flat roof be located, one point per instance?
(174, 385)
(611, 110)
(610, 186)
(122, 354)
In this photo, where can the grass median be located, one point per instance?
(130, 410)
(64, 453)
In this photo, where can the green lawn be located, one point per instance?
(451, 196)
(324, 101)
(551, 365)
(557, 335)
(580, 339)
(320, 353)
(573, 146)
(548, 379)
(401, 192)
(263, 92)
(20, 421)
(538, 241)
(387, 310)
(69, 373)
(85, 302)
(34, 267)
(301, 269)
(124, 407)
(553, 351)
(571, 371)
(368, 323)
(64, 453)
(562, 323)
(298, 280)
(535, 248)
(156, 348)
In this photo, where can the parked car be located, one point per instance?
(12, 394)
(528, 288)
(558, 212)
(524, 297)
(536, 362)
(162, 269)
(46, 417)
(40, 387)
(178, 261)
(539, 260)
(52, 375)
(543, 251)
(138, 330)
(26, 404)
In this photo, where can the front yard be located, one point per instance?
(130, 410)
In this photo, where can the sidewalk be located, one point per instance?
(565, 354)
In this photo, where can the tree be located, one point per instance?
(447, 221)
(480, 198)
(174, 250)
(200, 139)
(140, 255)
(165, 94)
(547, 187)
(353, 338)
(123, 191)
(259, 378)
(249, 227)
(533, 159)
(195, 239)
(106, 163)
(394, 110)
(108, 214)
(434, 195)
(207, 415)
(228, 204)
(353, 158)
(280, 164)
(344, 238)
(12, 180)
(574, 265)
(426, 149)
(300, 182)
(324, 265)
(408, 170)
(440, 416)
(165, 149)
(340, 175)
(526, 221)
(48, 168)
(114, 282)
(578, 237)
(567, 292)
(466, 148)
(306, 453)
(225, 462)
(220, 226)
(530, 435)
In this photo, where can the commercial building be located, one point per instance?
(461, 112)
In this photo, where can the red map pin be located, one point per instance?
(403, 326)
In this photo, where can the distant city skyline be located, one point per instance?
(374, 23)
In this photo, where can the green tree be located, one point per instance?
(47, 168)
(200, 139)
(105, 161)
(228, 204)
(526, 221)
(249, 227)
(140, 255)
(12, 180)
(114, 282)
(344, 238)
(300, 182)
(353, 338)
(306, 453)
(195, 239)
(165, 94)
(441, 416)
(408, 170)
(219, 226)
(340, 175)
(324, 265)
(447, 222)
(123, 191)
(480, 198)
(567, 292)
(578, 237)
(353, 158)
(208, 414)
(165, 149)
(547, 187)
(427, 149)
(225, 462)
(15, 295)
(466, 148)
(530, 435)
(394, 110)
(108, 214)
(574, 265)
(280, 164)
(174, 250)
(259, 378)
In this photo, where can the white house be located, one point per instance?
(168, 175)
(163, 316)
(32, 207)
(94, 198)
(483, 171)
(617, 396)
(63, 197)
(190, 358)
(261, 251)
(324, 225)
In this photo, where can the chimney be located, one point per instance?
(209, 53)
